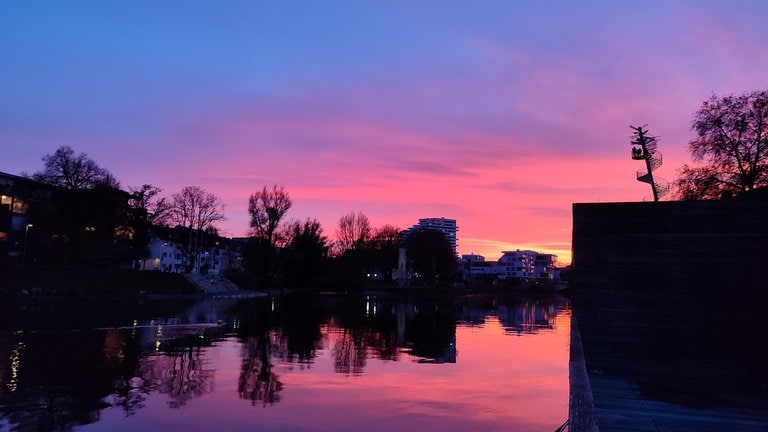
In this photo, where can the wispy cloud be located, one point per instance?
(498, 114)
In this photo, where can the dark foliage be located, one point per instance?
(431, 255)
(730, 148)
(305, 254)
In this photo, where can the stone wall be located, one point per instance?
(664, 289)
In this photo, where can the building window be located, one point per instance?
(19, 207)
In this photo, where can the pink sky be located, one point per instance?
(499, 115)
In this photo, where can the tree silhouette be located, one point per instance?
(306, 251)
(67, 170)
(385, 246)
(197, 211)
(267, 208)
(158, 209)
(731, 147)
(430, 254)
(353, 231)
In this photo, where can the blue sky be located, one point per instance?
(498, 114)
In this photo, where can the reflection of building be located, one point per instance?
(527, 318)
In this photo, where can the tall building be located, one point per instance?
(446, 226)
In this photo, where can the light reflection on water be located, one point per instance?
(324, 363)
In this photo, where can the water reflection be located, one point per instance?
(257, 382)
(55, 376)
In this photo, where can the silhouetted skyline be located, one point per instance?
(498, 114)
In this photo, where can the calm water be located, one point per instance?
(322, 363)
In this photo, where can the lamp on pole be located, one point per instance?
(26, 237)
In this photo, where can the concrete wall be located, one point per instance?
(684, 282)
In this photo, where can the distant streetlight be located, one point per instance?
(26, 237)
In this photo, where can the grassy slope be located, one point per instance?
(90, 283)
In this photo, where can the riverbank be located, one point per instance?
(89, 283)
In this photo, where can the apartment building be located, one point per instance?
(513, 265)
(446, 226)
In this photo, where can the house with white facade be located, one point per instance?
(476, 267)
(167, 253)
(516, 264)
(545, 267)
(526, 264)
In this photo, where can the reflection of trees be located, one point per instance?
(180, 374)
(349, 352)
(63, 379)
(127, 397)
(257, 381)
(378, 327)
(431, 332)
(176, 369)
(57, 381)
(255, 318)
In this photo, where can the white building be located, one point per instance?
(474, 266)
(545, 267)
(164, 255)
(446, 226)
(526, 264)
(167, 255)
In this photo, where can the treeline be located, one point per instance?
(93, 221)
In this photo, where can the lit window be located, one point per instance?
(19, 207)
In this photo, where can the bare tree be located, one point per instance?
(196, 210)
(731, 147)
(386, 236)
(267, 208)
(65, 169)
(353, 231)
(146, 197)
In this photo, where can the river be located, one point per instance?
(319, 362)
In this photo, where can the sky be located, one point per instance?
(499, 114)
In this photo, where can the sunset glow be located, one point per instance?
(498, 114)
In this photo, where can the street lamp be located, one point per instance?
(26, 237)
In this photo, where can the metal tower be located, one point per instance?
(644, 148)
